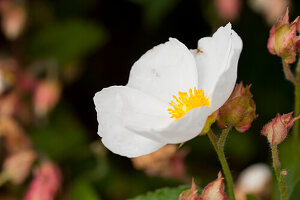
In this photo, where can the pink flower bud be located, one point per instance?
(239, 110)
(45, 184)
(13, 19)
(15, 139)
(228, 9)
(214, 190)
(277, 129)
(46, 96)
(283, 40)
(191, 194)
(17, 166)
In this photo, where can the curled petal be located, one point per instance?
(217, 64)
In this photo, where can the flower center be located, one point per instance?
(186, 102)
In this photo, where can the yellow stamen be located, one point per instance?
(186, 102)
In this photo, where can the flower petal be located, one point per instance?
(216, 60)
(121, 106)
(164, 71)
(180, 130)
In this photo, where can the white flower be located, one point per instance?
(138, 118)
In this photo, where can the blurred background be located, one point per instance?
(55, 55)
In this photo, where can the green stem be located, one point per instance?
(220, 152)
(223, 137)
(297, 109)
(280, 178)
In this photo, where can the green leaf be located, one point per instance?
(163, 194)
(68, 40)
(295, 195)
(82, 189)
(252, 197)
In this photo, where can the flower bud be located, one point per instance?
(17, 166)
(45, 184)
(214, 190)
(191, 194)
(46, 96)
(277, 129)
(13, 19)
(228, 9)
(283, 40)
(239, 110)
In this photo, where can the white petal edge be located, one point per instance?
(217, 64)
(164, 71)
(226, 81)
(180, 130)
(117, 106)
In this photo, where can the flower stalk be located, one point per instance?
(218, 145)
(297, 108)
(280, 178)
(288, 74)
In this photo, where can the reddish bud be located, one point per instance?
(283, 40)
(191, 194)
(228, 9)
(45, 184)
(239, 110)
(13, 19)
(17, 166)
(15, 139)
(46, 96)
(277, 129)
(214, 190)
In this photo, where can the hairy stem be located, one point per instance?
(289, 74)
(297, 109)
(280, 178)
(220, 152)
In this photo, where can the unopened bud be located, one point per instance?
(283, 172)
(46, 182)
(13, 19)
(277, 129)
(214, 190)
(283, 40)
(239, 110)
(46, 96)
(17, 166)
(190, 194)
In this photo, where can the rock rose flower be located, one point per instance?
(170, 93)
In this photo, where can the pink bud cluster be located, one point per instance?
(214, 190)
